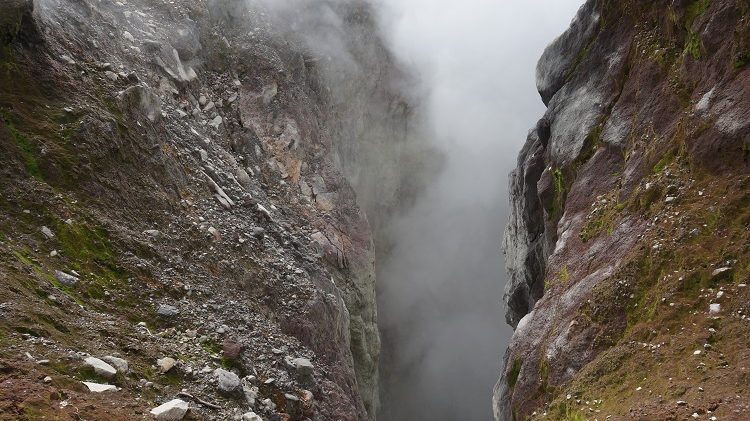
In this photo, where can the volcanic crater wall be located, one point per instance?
(629, 203)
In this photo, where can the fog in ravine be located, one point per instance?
(441, 288)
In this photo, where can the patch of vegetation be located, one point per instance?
(564, 274)
(741, 60)
(515, 370)
(696, 9)
(564, 412)
(26, 149)
(693, 44)
(602, 219)
(558, 201)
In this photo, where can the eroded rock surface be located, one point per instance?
(187, 159)
(629, 195)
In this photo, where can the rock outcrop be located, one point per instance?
(190, 160)
(629, 194)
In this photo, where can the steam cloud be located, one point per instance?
(440, 288)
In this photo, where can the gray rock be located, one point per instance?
(66, 279)
(166, 310)
(100, 367)
(216, 122)
(304, 367)
(118, 363)
(227, 381)
(173, 410)
(153, 233)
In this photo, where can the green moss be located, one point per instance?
(696, 9)
(25, 148)
(741, 60)
(693, 44)
(564, 274)
(515, 370)
(564, 412)
(558, 201)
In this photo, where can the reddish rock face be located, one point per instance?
(645, 136)
(231, 350)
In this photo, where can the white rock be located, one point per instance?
(697, 352)
(100, 367)
(165, 364)
(251, 416)
(128, 36)
(48, 232)
(173, 410)
(98, 388)
(719, 271)
(714, 308)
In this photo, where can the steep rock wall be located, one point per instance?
(628, 210)
(183, 159)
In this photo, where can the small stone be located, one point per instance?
(697, 352)
(721, 272)
(216, 122)
(681, 403)
(166, 310)
(173, 410)
(202, 100)
(259, 233)
(48, 379)
(111, 75)
(214, 233)
(53, 253)
(210, 106)
(231, 350)
(714, 308)
(128, 36)
(165, 364)
(118, 363)
(153, 233)
(228, 382)
(251, 416)
(98, 388)
(304, 367)
(48, 233)
(66, 279)
(100, 367)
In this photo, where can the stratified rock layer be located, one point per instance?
(629, 194)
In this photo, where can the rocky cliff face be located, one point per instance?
(627, 245)
(173, 196)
